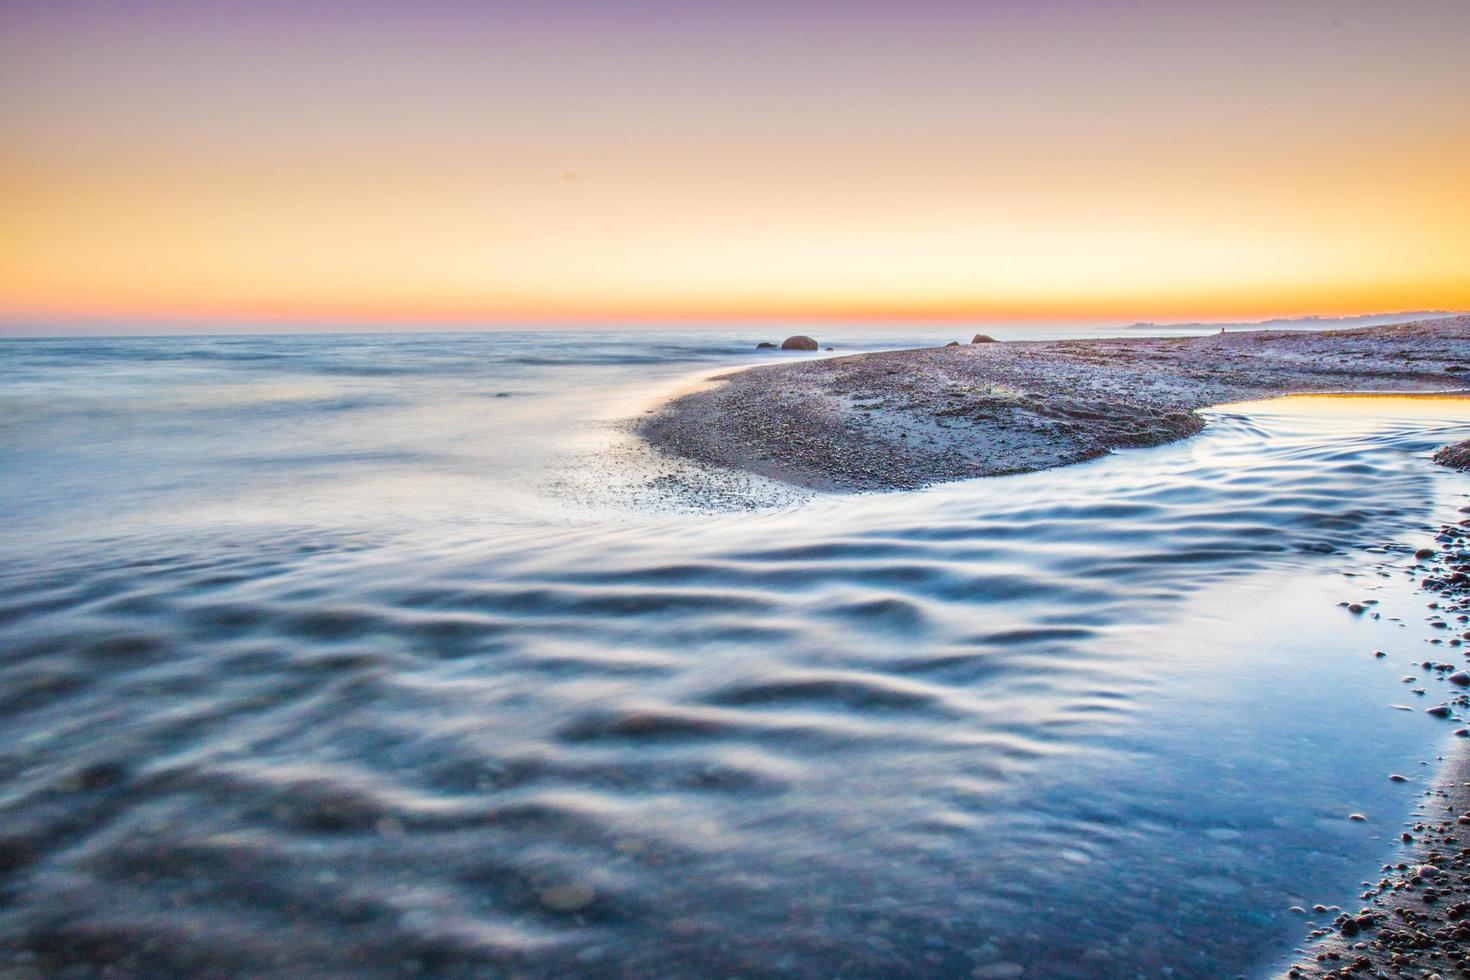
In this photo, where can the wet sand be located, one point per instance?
(906, 419)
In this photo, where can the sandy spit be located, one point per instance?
(906, 419)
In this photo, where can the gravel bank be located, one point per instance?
(1456, 457)
(905, 419)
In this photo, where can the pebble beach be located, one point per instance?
(904, 419)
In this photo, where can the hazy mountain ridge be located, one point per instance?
(1305, 322)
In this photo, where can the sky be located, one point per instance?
(449, 161)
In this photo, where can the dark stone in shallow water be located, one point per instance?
(981, 338)
(799, 342)
(765, 345)
(16, 851)
(568, 897)
(99, 775)
(1456, 457)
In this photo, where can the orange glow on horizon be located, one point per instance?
(1018, 165)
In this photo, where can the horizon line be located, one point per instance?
(19, 326)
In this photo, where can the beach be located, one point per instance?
(377, 655)
(1415, 917)
(912, 418)
(735, 491)
(906, 419)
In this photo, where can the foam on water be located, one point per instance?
(297, 680)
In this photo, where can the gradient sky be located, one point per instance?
(541, 161)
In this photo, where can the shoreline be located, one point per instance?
(1415, 918)
(900, 420)
(805, 423)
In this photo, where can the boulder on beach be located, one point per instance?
(765, 345)
(953, 343)
(983, 338)
(799, 342)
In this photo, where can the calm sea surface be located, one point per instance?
(389, 655)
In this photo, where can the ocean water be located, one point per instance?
(398, 655)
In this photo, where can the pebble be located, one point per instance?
(572, 896)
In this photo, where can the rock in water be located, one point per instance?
(765, 345)
(1456, 457)
(572, 896)
(799, 342)
(953, 343)
(982, 338)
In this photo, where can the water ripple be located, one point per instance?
(867, 736)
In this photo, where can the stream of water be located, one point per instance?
(377, 655)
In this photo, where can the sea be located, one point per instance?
(385, 655)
